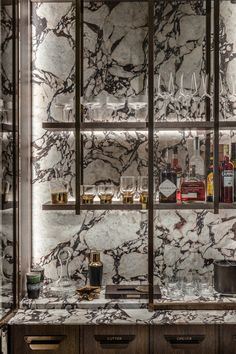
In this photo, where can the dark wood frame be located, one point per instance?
(13, 129)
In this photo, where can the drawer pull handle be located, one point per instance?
(44, 342)
(114, 341)
(178, 341)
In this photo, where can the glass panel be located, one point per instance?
(182, 80)
(183, 155)
(227, 61)
(6, 160)
(115, 61)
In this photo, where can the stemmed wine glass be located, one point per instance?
(223, 100)
(232, 95)
(188, 96)
(204, 87)
(92, 104)
(114, 104)
(166, 95)
(139, 105)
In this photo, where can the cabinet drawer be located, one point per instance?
(43, 339)
(184, 339)
(116, 339)
(228, 339)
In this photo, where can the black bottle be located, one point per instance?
(95, 269)
(168, 185)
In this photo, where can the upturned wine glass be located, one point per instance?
(167, 94)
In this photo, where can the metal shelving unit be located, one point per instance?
(123, 126)
(149, 127)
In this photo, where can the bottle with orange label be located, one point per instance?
(210, 180)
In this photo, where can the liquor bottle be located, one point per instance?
(178, 170)
(233, 159)
(210, 180)
(192, 188)
(95, 269)
(197, 161)
(227, 178)
(168, 185)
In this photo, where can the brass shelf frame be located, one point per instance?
(126, 126)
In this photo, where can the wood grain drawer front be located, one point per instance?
(228, 339)
(116, 339)
(44, 340)
(184, 340)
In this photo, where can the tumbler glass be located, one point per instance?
(143, 189)
(88, 194)
(127, 189)
(33, 281)
(106, 193)
(59, 191)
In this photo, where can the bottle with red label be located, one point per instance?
(193, 188)
(227, 178)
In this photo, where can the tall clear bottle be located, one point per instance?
(197, 161)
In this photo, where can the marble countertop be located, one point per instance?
(121, 316)
(50, 309)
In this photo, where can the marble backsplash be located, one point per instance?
(112, 69)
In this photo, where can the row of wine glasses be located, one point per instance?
(183, 100)
(186, 98)
(100, 109)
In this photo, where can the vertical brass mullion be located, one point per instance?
(216, 103)
(150, 148)
(78, 92)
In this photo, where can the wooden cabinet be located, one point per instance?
(228, 339)
(112, 339)
(184, 339)
(44, 339)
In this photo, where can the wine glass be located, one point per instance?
(165, 95)
(114, 104)
(232, 95)
(205, 96)
(139, 105)
(187, 96)
(68, 110)
(92, 104)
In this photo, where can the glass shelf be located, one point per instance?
(96, 126)
(96, 206)
(187, 206)
(120, 206)
(64, 126)
(5, 127)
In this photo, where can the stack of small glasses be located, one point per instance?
(191, 285)
(131, 189)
